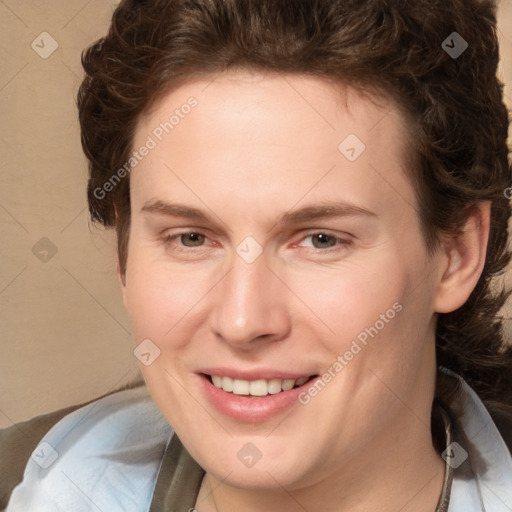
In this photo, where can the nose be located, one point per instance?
(251, 306)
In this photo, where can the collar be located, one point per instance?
(478, 455)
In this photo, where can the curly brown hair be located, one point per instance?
(457, 118)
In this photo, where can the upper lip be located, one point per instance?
(254, 374)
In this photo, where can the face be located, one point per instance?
(275, 244)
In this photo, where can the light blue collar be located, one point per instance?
(489, 487)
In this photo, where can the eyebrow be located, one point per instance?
(323, 210)
(326, 209)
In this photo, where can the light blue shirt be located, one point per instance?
(106, 456)
(103, 457)
(491, 488)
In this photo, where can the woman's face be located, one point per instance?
(275, 240)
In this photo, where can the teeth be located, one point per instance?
(274, 386)
(240, 387)
(288, 384)
(301, 381)
(260, 387)
(227, 384)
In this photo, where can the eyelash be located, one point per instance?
(341, 242)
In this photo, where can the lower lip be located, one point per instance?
(252, 410)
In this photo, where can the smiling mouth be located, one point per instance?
(256, 388)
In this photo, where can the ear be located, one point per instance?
(463, 259)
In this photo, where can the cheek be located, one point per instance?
(158, 300)
(350, 299)
(387, 325)
(378, 315)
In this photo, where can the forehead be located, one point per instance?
(234, 97)
(273, 135)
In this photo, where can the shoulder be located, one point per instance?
(481, 459)
(18, 442)
(105, 455)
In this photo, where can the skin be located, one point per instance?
(255, 147)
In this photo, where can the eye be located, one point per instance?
(326, 241)
(187, 239)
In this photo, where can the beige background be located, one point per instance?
(65, 337)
